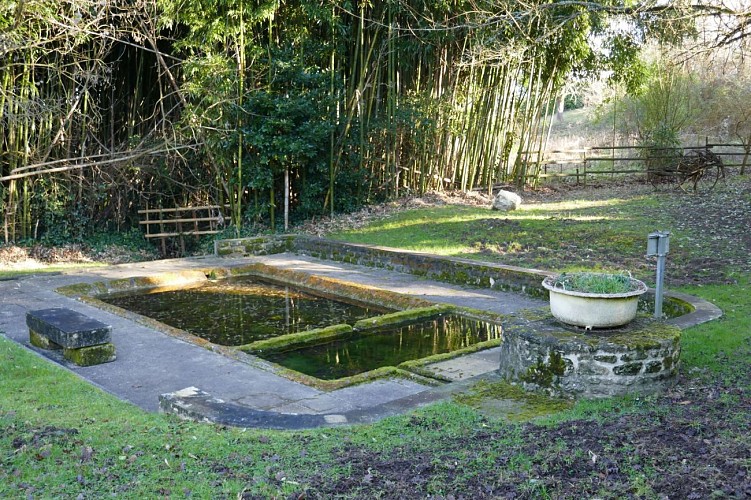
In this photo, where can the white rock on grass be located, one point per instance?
(506, 200)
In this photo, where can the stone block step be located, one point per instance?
(66, 328)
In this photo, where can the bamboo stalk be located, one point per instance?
(332, 136)
(236, 200)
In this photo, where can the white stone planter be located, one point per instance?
(593, 310)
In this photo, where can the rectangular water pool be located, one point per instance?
(237, 311)
(389, 346)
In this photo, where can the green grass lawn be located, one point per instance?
(584, 230)
(62, 438)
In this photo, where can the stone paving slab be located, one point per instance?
(469, 366)
(478, 298)
(377, 392)
(314, 406)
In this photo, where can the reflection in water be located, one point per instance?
(241, 310)
(387, 347)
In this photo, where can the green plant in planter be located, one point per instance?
(595, 283)
(594, 300)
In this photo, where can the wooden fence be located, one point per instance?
(175, 224)
(613, 160)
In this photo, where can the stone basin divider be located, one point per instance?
(537, 352)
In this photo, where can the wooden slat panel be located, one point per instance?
(182, 209)
(170, 221)
(187, 233)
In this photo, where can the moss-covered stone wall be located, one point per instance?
(544, 355)
(258, 245)
(446, 269)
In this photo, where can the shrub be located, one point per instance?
(595, 283)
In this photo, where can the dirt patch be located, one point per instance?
(710, 238)
(685, 444)
(722, 220)
(18, 258)
(13, 257)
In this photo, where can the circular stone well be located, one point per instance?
(544, 354)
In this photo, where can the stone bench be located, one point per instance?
(84, 341)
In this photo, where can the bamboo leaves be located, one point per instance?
(334, 104)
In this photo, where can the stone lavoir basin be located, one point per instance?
(317, 331)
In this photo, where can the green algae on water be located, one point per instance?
(388, 346)
(240, 310)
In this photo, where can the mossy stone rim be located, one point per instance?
(639, 288)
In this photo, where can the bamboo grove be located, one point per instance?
(108, 106)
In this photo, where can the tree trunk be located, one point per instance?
(560, 107)
(286, 199)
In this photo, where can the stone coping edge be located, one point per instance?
(195, 404)
(703, 312)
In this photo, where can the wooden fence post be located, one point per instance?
(584, 166)
(161, 231)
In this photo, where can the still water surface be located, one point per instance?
(240, 310)
(367, 351)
